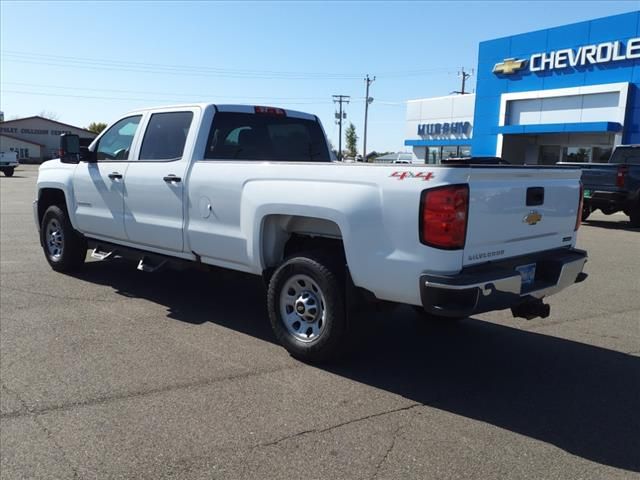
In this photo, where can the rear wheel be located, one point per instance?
(64, 248)
(8, 172)
(586, 211)
(307, 309)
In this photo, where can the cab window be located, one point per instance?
(166, 136)
(115, 144)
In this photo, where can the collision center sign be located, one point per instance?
(596, 54)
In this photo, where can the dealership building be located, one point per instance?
(36, 139)
(569, 93)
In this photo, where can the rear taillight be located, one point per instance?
(443, 216)
(622, 173)
(580, 206)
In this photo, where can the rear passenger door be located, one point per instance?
(154, 182)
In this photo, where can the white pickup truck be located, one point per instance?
(255, 189)
(8, 163)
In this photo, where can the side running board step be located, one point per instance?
(146, 265)
(100, 255)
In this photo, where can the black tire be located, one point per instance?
(65, 252)
(430, 317)
(634, 217)
(8, 172)
(323, 283)
(586, 211)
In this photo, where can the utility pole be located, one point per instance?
(463, 76)
(367, 100)
(340, 99)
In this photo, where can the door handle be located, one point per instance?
(172, 178)
(115, 176)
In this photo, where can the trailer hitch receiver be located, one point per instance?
(531, 309)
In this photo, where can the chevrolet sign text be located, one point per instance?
(587, 55)
(596, 54)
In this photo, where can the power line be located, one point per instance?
(419, 73)
(90, 63)
(163, 96)
(96, 97)
(196, 95)
(198, 70)
(191, 73)
(85, 60)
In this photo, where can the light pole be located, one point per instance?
(367, 101)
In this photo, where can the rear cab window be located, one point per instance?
(248, 136)
(626, 155)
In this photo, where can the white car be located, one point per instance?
(254, 189)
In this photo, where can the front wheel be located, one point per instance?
(586, 211)
(8, 172)
(307, 308)
(64, 248)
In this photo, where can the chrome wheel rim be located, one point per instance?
(54, 239)
(302, 308)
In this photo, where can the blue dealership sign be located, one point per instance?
(596, 52)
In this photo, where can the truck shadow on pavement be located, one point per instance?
(612, 225)
(580, 398)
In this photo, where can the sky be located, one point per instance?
(89, 62)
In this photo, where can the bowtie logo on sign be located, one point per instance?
(509, 66)
(596, 54)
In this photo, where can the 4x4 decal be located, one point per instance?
(425, 176)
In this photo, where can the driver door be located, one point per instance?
(99, 187)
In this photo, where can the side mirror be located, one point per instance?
(69, 148)
(87, 155)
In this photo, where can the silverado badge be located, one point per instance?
(532, 217)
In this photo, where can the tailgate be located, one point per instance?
(597, 176)
(600, 175)
(517, 211)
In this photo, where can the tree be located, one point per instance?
(352, 140)
(371, 156)
(96, 127)
(50, 115)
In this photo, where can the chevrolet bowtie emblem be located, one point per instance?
(509, 66)
(532, 218)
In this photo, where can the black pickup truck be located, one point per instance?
(614, 186)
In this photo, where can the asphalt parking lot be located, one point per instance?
(115, 373)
